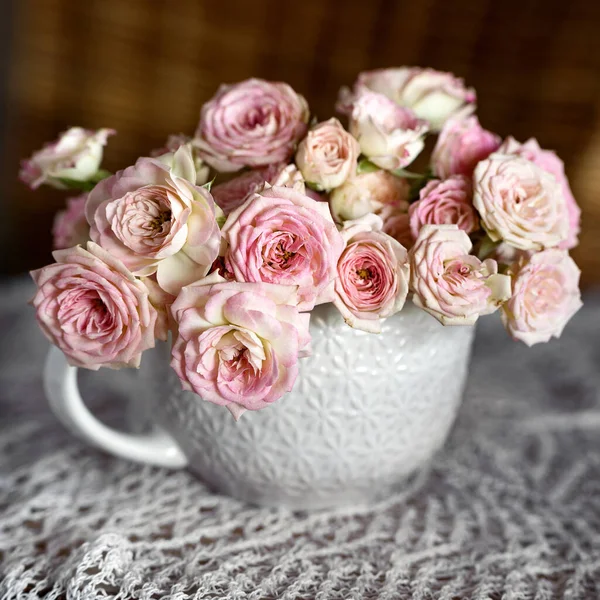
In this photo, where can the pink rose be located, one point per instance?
(251, 124)
(91, 307)
(444, 202)
(432, 95)
(389, 135)
(461, 145)
(157, 220)
(373, 273)
(282, 236)
(173, 143)
(551, 163)
(76, 155)
(70, 227)
(545, 296)
(397, 224)
(449, 283)
(327, 155)
(369, 193)
(233, 193)
(238, 343)
(520, 203)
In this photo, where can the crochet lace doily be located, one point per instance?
(510, 508)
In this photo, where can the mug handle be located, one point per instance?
(60, 384)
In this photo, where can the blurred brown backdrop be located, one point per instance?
(144, 67)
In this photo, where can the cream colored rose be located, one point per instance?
(432, 95)
(520, 203)
(369, 193)
(327, 156)
(76, 155)
(391, 136)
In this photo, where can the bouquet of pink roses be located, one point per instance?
(225, 241)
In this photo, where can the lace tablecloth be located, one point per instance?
(511, 508)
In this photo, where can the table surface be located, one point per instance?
(510, 509)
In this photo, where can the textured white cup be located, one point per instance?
(366, 411)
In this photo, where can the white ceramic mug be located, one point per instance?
(367, 410)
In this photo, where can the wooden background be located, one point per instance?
(145, 66)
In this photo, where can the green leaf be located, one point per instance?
(84, 186)
(366, 166)
(408, 174)
(100, 175)
(314, 186)
(221, 221)
(208, 185)
(486, 247)
(73, 184)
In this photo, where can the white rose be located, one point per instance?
(76, 155)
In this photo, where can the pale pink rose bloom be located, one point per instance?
(239, 343)
(251, 124)
(233, 193)
(157, 220)
(520, 203)
(70, 226)
(282, 236)
(462, 143)
(373, 273)
(545, 296)
(451, 284)
(76, 155)
(91, 307)
(434, 96)
(444, 202)
(291, 177)
(551, 163)
(173, 143)
(397, 224)
(389, 135)
(369, 193)
(327, 155)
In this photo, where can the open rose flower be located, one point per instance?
(70, 226)
(389, 135)
(432, 95)
(369, 193)
(238, 343)
(76, 155)
(282, 236)
(461, 144)
(91, 307)
(545, 296)
(520, 203)
(327, 156)
(373, 273)
(251, 124)
(233, 193)
(157, 220)
(551, 163)
(173, 143)
(444, 202)
(451, 284)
